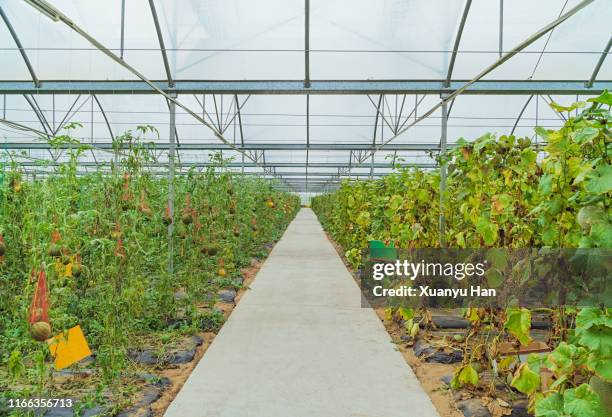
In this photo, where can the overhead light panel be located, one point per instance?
(46, 9)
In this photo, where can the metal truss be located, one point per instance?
(221, 108)
(360, 87)
(268, 169)
(357, 150)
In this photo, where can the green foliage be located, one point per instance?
(464, 376)
(594, 332)
(518, 323)
(525, 380)
(113, 276)
(500, 194)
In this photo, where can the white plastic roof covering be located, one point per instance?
(264, 40)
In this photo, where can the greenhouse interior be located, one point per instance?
(305, 208)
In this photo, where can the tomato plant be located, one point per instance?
(115, 255)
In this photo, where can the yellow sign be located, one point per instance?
(68, 347)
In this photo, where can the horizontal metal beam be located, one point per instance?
(247, 146)
(327, 176)
(316, 87)
(320, 174)
(103, 164)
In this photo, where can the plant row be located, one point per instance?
(553, 191)
(121, 258)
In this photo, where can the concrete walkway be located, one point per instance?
(300, 345)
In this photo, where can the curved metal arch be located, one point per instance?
(451, 65)
(162, 45)
(39, 116)
(22, 51)
(108, 126)
(518, 119)
(602, 58)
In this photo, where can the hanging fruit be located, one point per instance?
(126, 196)
(40, 331)
(2, 246)
(187, 215)
(143, 207)
(120, 250)
(167, 218)
(187, 218)
(16, 184)
(65, 257)
(196, 221)
(77, 268)
(270, 203)
(40, 328)
(55, 250)
(116, 233)
(221, 271)
(205, 206)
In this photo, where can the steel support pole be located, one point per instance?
(501, 27)
(306, 43)
(122, 44)
(378, 112)
(443, 135)
(307, 137)
(171, 155)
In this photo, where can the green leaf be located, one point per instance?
(589, 215)
(413, 329)
(395, 202)
(535, 362)
(550, 406)
(487, 230)
(566, 358)
(586, 134)
(601, 234)
(525, 380)
(518, 323)
(562, 109)
(501, 202)
(528, 157)
(604, 98)
(407, 313)
(497, 258)
(594, 329)
(597, 338)
(494, 277)
(601, 364)
(583, 171)
(599, 180)
(483, 141)
(546, 184)
(582, 402)
(466, 375)
(540, 131)
(592, 316)
(521, 271)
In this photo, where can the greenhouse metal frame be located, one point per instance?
(397, 108)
